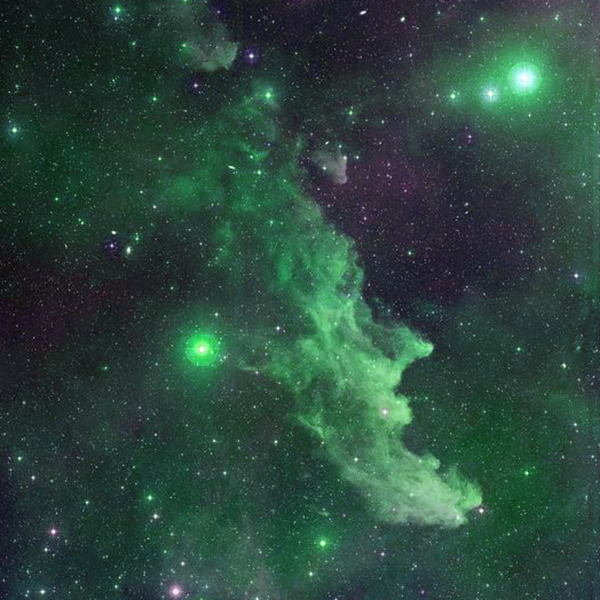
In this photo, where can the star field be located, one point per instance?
(299, 300)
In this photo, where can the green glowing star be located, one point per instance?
(524, 78)
(202, 350)
(322, 542)
(491, 94)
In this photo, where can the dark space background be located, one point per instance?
(328, 190)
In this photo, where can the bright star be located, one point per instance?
(202, 349)
(491, 94)
(524, 78)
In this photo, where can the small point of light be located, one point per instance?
(175, 591)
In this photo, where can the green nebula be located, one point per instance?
(345, 374)
(220, 406)
(342, 365)
(202, 349)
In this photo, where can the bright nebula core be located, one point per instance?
(300, 300)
